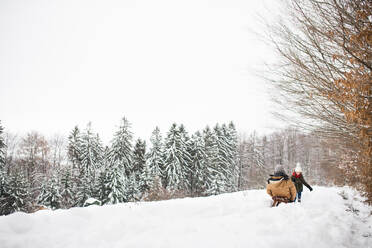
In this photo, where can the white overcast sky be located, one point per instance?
(67, 62)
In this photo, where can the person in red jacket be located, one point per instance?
(299, 180)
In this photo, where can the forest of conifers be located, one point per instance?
(64, 172)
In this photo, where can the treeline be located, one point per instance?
(68, 172)
(36, 172)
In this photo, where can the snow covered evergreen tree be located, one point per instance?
(186, 144)
(145, 180)
(75, 148)
(51, 196)
(101, 191)
(3, 183)
(91, 152)
(84, 190)
(177, 160)
(92, 159)
(132, 192)
(67, 190)
(2, 147)
(115, 187)
(199, 164)
(222, 160)
(218, 184)
(155, 158)
(121, 154)
(139, 163)
(232, 140)
(17, 195)
(183, 134)
(3, 176)
(211, 150)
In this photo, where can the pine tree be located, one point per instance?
(155, 157)
(3, 183)
(228, 143)
(115, 187)
(139, 163)
(132, 188)
(199, 164)
(91, 151)
(121, 154)
(211, 150)
(222, 159)
(2, 147)
(218, 185)
(101, 191)
(75, 148)
(183, 134)
(3, 177)
(145, 180)
(232, 139)
(84, 190)
(176, 161)
(51, 196)
(17, 195)
(67, 190)
(186, 148)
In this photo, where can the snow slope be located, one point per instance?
(242, 219)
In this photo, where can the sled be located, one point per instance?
(279, 199)
(38, 208)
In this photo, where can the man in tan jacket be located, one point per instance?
(279, 186)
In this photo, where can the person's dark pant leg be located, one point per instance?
(298, 197)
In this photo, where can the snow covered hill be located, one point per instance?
(326, 218)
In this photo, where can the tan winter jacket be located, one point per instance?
(279, 186)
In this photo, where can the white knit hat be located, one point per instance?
(298, 168)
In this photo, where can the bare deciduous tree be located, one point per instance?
(325, 74)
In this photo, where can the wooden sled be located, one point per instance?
(279, 199)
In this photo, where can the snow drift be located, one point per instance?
(327, 217)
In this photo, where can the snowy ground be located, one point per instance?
(243, 219)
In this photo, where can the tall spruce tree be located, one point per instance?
(183, 134)
(101, 191)
(4, 181)
(139, 163)
(84, 190)
(155, 158)
(211, 150)
(132, 192)
(121, 154)
(115, 187)
(3, 176)
(177, 160)
(17, 196)
(232, 139)
(91, 152)
(2, 147)
(222, 159)
(145, 181)
(198, 165)
(51, 196)
(92, 159)
(186, 147)
(75, 148)
(217, 186)
(67, 189)
(139, 159)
